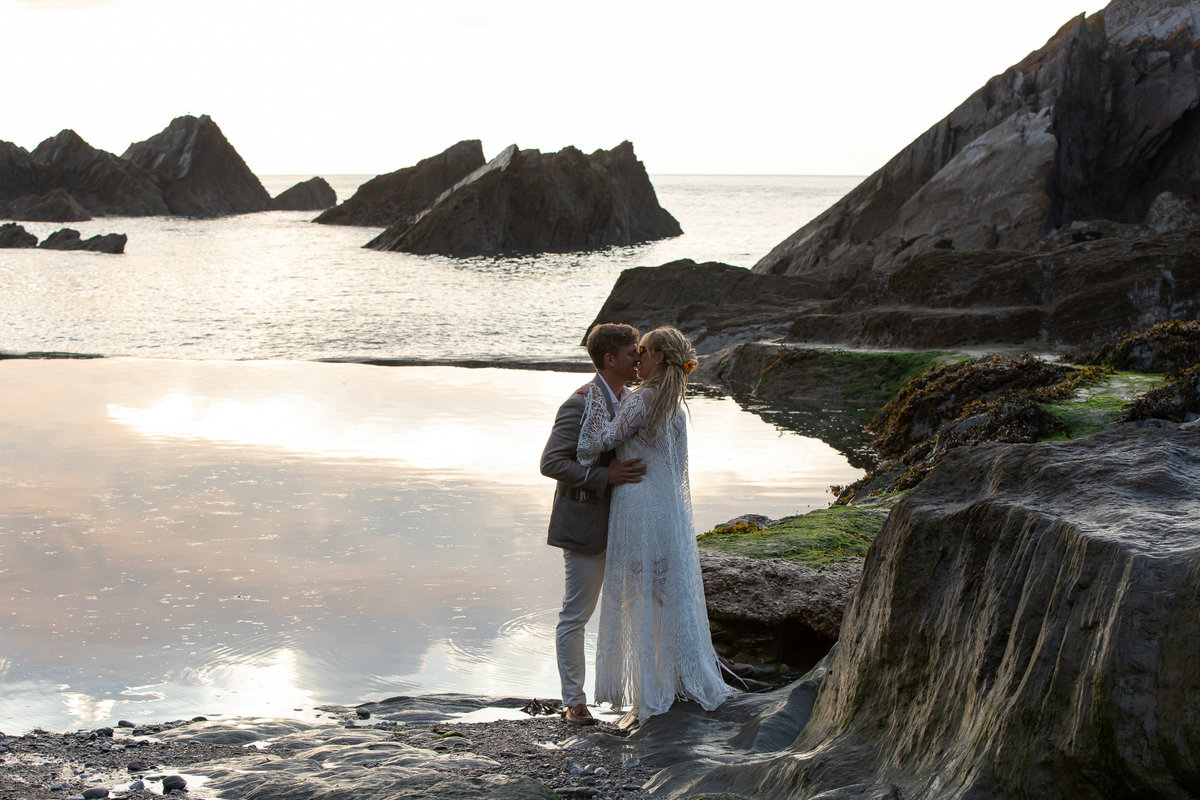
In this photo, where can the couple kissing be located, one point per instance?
(622, 516)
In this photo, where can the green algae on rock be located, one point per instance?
(820, 537)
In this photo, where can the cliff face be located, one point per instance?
(1094, 125)
(1026, 626)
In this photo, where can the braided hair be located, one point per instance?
(670, 382)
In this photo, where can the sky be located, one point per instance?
(789, 87)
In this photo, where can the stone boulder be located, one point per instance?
(776, 601)
(1025, 626)
(313, 194)
(69, 239)
(200, 173)
(14, 235)
(401, 195)
(103, 183)
(56, 205)
(524, 201)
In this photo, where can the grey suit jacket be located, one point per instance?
(579, 519)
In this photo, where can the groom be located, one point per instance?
(579, 518)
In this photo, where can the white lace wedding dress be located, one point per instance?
(654, 643)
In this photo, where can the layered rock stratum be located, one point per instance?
(526, 201)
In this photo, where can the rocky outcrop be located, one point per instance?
(69, 239)
(1056, 207)
(401, 195)
(524, 201)
(101, 182)
(56, 205)
(200, 173)
(14, 235)
(18, 173)
(313, 194)
(1025, 627)
(1095, 125)
(715, 304)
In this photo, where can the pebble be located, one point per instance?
(94, 794)
(137, 786)
(138, 766)
(172, 782)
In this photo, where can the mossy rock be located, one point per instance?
(1166, 347)
(1178, 400)
(1093, 408)
(820, 537)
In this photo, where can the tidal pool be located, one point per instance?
(261, 537)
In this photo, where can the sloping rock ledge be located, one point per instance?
(1026, 626)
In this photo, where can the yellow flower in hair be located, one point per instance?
(688, 366)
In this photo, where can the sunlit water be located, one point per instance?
(187, 537)
(274, 285)
(183, 533)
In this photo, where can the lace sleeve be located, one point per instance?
(598, 434)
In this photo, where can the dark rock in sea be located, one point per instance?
(200, 173)
(401, 195)
(310, 195)
(103, 183)
(69, 239)
(18, 173)
(56, 205)
(14, 235)
(1025, 626)
(524, 201)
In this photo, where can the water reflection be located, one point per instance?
(181, 538)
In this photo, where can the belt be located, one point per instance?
(584, 496)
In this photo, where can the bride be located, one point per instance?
(654, 643)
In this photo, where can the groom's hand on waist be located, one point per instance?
(630, 471)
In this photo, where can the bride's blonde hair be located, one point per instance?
(670, 382)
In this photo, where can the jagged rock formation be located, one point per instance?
(101, 182)
(69, 239)
(189, 170)
(18, 174)
(1055, 207)
(401, 195)
(56, 205)
(14, 235)
(524, 201)
(310, 195)
(200, 173)
(1026, 626)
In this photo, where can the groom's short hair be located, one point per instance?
(609, 337)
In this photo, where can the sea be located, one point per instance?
(227, 513)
